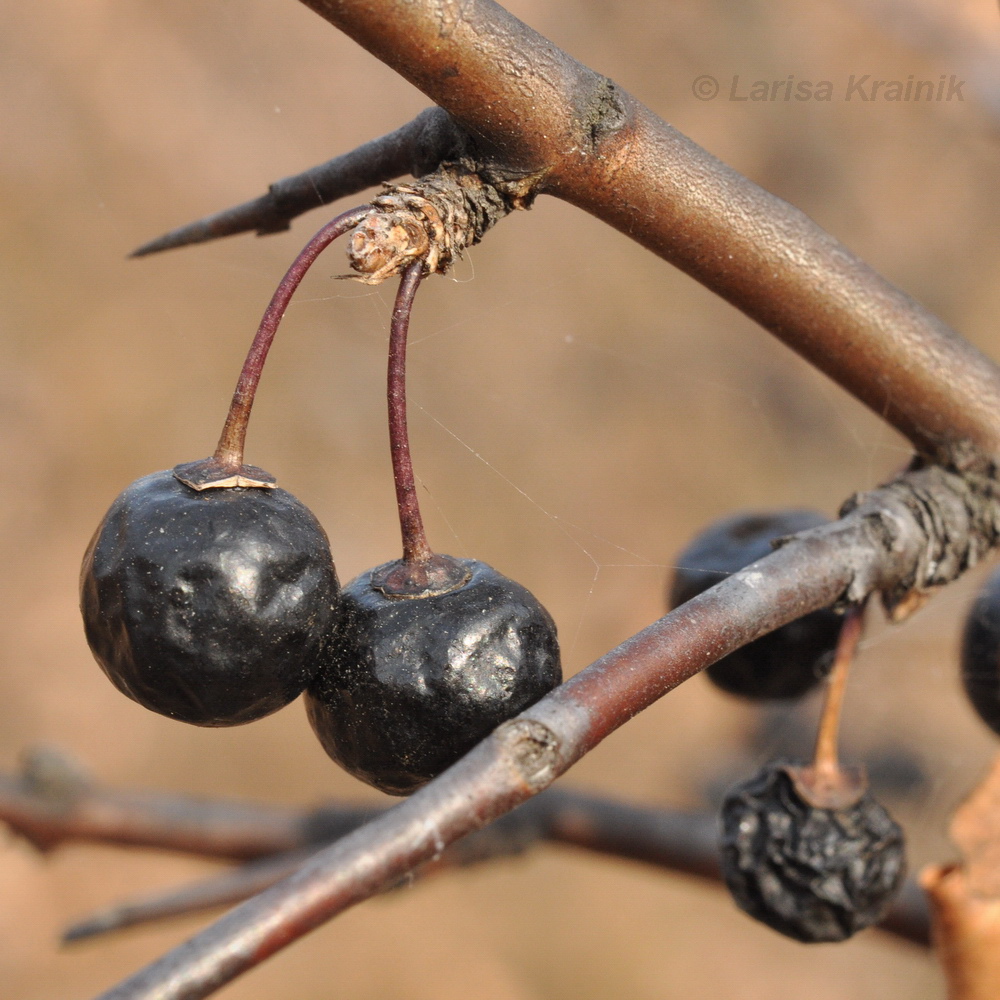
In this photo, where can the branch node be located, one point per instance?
(54, 776)
(957, 516)
(534, 750)
(434, 219)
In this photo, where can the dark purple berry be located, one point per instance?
(410, 684)
(981, 653)
(786, 663)
(208, 606)
(813, 874)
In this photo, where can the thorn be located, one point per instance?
(260, 215)
(420, 145)
(101, 923)
(223, 889)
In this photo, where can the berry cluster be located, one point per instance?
(209, 595)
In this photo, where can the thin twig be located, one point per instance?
(86, 812)
(416, 147)
(221, 890)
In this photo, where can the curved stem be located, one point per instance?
(411, 525)
(229, 453)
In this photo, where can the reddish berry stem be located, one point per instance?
(826, 760)
(411, 525)
(229, 453)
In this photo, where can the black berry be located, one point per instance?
(430, 653)
(409, 685)
(786, 663)
(207, 592)
(208, 606)
(813, 874)
(981, 653)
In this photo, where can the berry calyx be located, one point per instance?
(430, 653)
(206, 591)
(788, 662)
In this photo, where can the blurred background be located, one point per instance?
(579, 410)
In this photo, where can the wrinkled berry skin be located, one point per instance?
(812, 874)
(409, 685)
(209, 607)
(981, 653)
(786, 663)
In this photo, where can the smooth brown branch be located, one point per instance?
(884, 543)
(415, 148)
(537, 113)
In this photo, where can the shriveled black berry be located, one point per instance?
(410, 684)
(208, 606)
(786, 663)
(813, 874)
(981, 653)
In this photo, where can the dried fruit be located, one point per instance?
(813, 874)
(981, 653)
(786, 663)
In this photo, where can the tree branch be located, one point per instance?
(531, 116)
(538, 113)
(51, 803)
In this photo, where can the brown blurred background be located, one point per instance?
(579, 409)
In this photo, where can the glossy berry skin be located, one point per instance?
(409, 685)
(812, 874)
(786, 663)
(209, 607)
(981, 653)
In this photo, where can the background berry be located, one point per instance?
(786, 663)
